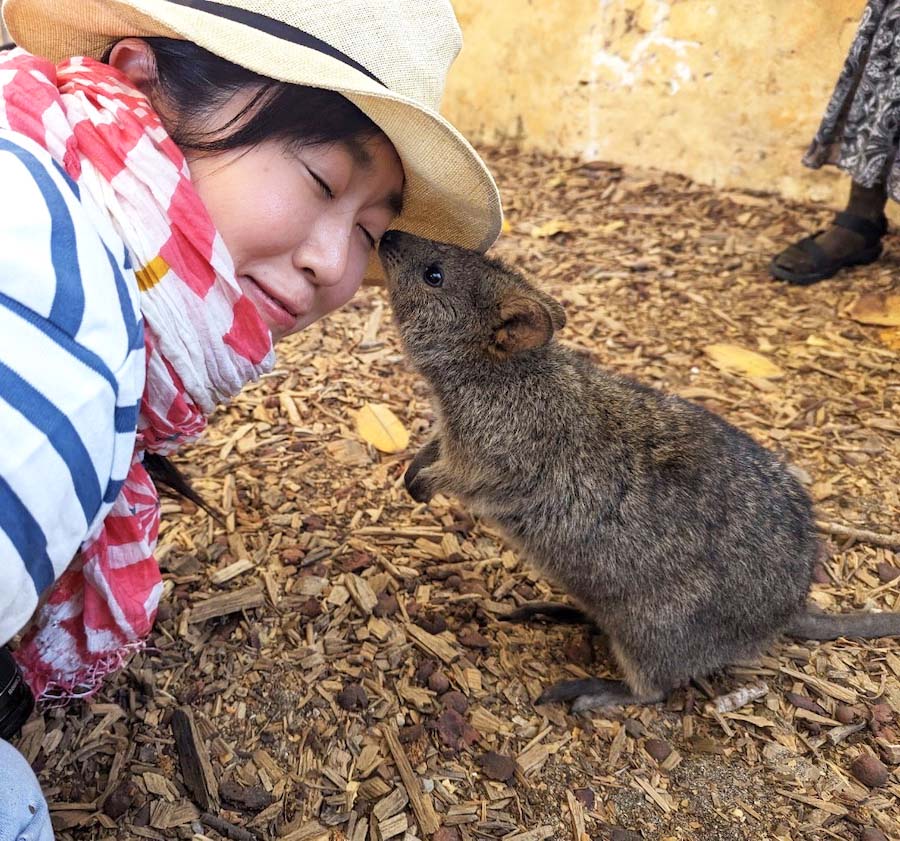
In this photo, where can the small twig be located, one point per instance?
(872, 538)
(739, 698)
(199, 778)
(838, 734)
(421, 803)
(577, 812)
(229, 830)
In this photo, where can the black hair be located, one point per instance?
(169, 479)
(188, 73)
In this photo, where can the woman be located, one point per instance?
(860, 133)
(217, 181)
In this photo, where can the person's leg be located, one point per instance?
(840, 244)
(23, 810)
(866, 202)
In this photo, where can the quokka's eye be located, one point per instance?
(433, 275)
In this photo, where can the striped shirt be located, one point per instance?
(71, 373)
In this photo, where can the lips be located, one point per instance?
(272, 310)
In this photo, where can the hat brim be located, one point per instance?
(449, 194)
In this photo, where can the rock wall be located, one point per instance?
(728, 92)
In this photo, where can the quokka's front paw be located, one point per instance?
(418, 485)
(417, 482)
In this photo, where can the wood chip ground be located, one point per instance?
(330, 665)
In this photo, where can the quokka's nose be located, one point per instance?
(388, 238)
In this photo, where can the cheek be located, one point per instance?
(331, 298)
(358, 262)
(255, 204)
(268, 226)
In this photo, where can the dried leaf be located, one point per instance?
(551, 228)
(498, 766)
(739, 360)
(349, 452)
(885, 424)
(880, 308)
(890, 337)
(822, 490)
(695, 393)
(381, 428)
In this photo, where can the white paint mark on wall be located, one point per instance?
(629, 70)
(682, 72)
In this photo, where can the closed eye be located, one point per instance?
(326, 190)
(371, 240)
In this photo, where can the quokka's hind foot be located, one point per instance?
(594, 692)
(562, 613)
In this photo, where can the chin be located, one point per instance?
(279, 333)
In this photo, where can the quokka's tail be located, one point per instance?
(830, 626)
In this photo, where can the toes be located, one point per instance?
(591, 693)
(592, 702)
(524, 613)
(419, 489)
(616, 696)
(568, 690)
(549, 611)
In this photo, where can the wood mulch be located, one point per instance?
(330, 664)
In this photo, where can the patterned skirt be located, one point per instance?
(860, 131)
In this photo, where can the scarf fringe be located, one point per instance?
(84, 684)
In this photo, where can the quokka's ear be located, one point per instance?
(526, 323)
(557, 313)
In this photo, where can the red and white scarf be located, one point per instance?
(204, 342)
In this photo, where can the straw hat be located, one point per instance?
(389, 57)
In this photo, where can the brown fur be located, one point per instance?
(687, 542)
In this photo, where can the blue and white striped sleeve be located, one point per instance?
(71, 374)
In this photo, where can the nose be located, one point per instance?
(324, 255)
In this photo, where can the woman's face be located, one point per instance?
(300, 222)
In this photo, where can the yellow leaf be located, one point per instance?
(739, 360)
(877, 308)
(506, 226)
(551, 228)
(381, 428)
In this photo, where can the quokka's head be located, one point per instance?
(445, 297)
